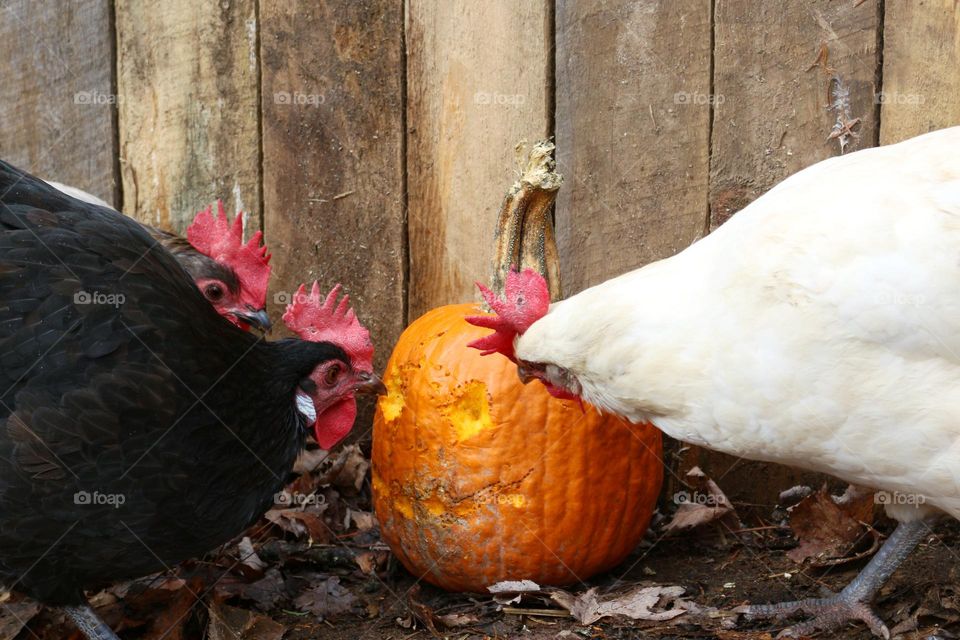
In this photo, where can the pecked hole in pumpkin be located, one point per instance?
(470, 411)
(392, 404)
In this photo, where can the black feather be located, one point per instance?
(137, 428)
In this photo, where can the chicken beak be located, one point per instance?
(256, 318)
(526, 377)
(370, 383)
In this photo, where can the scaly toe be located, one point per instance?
(828, 614)
(779, 610)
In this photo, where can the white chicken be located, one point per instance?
(818, 328)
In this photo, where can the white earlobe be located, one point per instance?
(305, 406)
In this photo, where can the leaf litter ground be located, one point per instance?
(314, 567)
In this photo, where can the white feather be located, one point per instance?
(819, 328)
(79, 194)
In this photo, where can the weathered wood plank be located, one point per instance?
(921, 68)
(633, 123)
(478, 83)
(782, 71)
(333, 153)
(57, 100)
(632, 134)
(774, 113)
(187, 82)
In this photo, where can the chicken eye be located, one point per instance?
(213, 292)
(332, 375)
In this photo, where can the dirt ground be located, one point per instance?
(719, 576)
(323, 573)
(723, 576)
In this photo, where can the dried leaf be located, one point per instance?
(309, 460)
(511, 591)
(326, 600)
(317, 529)
(514, 586)
(637, 604)
(455, 620)
(505, 598)
(14, 616)
(265, 592)
(827, 530)
(230, 623)
(277, 517)
(743, 635)
(169, 621)
(123, 589)
(793, 495)
(103, 598)
(300, 523)
(423, 612)
(162, 607)
(301, 492)
(249, 557)
(363, 520)
(349, 468)
(370, 561)
(705, 504)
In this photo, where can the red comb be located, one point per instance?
(324, 320)
(526, 300)
(216, 238)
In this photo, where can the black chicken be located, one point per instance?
(231, 274)
(137, 429)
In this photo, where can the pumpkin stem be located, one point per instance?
(524, 235)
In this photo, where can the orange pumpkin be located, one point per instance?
(478, 478)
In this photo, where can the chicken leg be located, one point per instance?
(89, 623)
(854, 602)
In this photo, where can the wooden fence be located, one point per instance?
(372, 140)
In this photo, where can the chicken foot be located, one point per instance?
(854, 602)
(89, 623)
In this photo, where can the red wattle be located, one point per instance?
(562, 394)
(335, 423)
